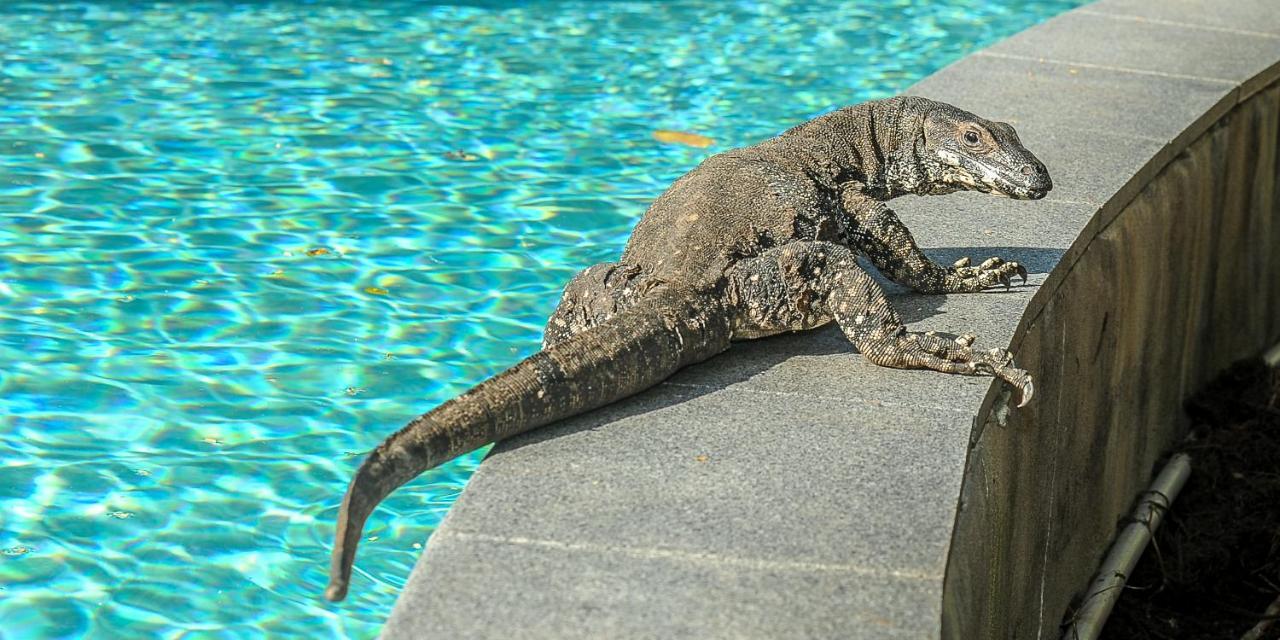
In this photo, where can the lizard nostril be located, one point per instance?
(1028, 170)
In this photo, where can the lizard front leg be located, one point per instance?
(801, 285)
(877, 233)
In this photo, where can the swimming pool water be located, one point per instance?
(240, 243)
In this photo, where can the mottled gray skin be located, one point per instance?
(754, 242)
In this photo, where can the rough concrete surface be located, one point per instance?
(790, 489)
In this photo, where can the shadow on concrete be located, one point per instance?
(1035, 259)
(745, 360)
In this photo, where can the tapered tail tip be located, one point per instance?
(336, 591)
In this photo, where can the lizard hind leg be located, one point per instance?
(804, 284)
(592, 297)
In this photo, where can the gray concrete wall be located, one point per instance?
(1179, 283)
(790, 489)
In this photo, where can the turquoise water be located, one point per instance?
(240, 243)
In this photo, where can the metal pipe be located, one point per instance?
(1109, 583)
(1268, 617)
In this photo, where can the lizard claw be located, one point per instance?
(1000, 364)
(931, 351)
(965, 278)
(1020, 380)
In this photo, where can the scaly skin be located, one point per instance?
(753, 242)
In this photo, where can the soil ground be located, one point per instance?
(1214, 566)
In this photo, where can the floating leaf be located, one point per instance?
(681, 137)
(318, 251)
(375, 291)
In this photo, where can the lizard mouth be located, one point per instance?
(1004, 181)
(1030, 192)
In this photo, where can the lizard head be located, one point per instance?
(961, 151)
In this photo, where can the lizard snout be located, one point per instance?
(1038, 181)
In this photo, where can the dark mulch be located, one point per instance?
(1215, 564)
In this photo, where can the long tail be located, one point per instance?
(632, 351)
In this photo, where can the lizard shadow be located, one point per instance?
(749, 359)
(913, 307)
(743, 361)
(1035, 259)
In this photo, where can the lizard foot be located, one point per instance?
(964, 340)
(932, 351)
(963, 278)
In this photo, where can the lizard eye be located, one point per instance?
(972, 138)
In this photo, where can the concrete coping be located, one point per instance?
(788, 488)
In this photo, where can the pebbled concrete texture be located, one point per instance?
(1249, 17)
(790, 489)
(1142, 46)
(625, 593)
(707, 504)
(684, 469)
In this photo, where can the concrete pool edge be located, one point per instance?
(1180, 258)
(789, 489)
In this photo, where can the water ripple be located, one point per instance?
(242, 242)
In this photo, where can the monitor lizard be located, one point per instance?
(753, 242)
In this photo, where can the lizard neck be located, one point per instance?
(874, 144)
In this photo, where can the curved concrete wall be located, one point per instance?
(1176, 285)
(1174, 278)
(789, 489)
